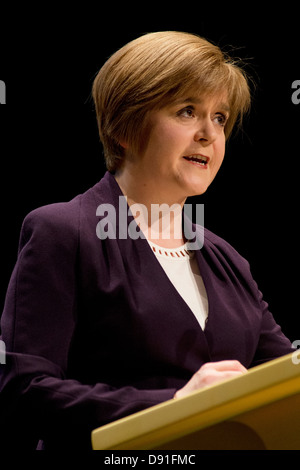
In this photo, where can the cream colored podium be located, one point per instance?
(259, 410)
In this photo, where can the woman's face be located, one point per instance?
(184, 148)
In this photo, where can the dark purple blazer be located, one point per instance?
(94, 329)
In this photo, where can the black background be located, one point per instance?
(49, 144)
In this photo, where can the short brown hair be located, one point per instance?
(150, 71)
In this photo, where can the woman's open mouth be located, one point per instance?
(199, 160)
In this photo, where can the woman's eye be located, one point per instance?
(221, 119)
(188, 112)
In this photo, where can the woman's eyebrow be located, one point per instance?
(192, 100)
(222, 105)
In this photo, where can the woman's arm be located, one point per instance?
(38, 399)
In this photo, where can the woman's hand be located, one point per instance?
(211, 373)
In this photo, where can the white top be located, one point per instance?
(181, 267)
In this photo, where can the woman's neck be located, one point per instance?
(159, 217)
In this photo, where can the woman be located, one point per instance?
(112, 306)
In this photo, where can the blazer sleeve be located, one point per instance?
(38, 399)
(272, 341)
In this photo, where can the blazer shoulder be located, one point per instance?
(62, 213)
(57, 221)
(218, 245)
(62, 222)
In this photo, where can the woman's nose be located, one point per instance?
(205, 132)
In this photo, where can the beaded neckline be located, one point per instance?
(171, 253)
